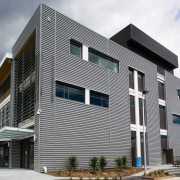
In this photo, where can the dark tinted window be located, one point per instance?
(140, 82)
(162, 115)
(131, 79)
(161, 90)
(132, 109)
(176, 119)
(103, 61)
(70, 92)
(75, 48)
(99, 99)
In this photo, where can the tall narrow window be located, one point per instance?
(162, 115)
(75, 48)
(103, 61)
(99, 99)
(161, 90)
(70, 92)
(132, 109)
(178, 93)
(131, 79)
(140, 111)
(140, 81)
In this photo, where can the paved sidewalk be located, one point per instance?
(23, 174)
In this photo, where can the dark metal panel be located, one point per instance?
(133, 38)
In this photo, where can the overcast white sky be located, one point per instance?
(160, 19)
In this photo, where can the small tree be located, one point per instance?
(102, 162)
(124, 161)
(73, 162)
(118, 162)
(94, 164)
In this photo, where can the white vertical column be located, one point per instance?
(85, 53)
(138, 139)
(87, 96)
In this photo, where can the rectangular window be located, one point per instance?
(140, 82)
(103, 61)
(176, 119)
(140, 111)
(161, 90)
(163, 141)
(75, 48)
(131, 78)
(162, 115)
(132, 109)
(71, 92)
(99, 99)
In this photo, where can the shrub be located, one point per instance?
(124, 161)
(150, 174)
(57, 172)
(120, 177)
(166, 173)
(102, 162)
(73, 162)
(94, 164)
(159, 171)
(118, 162)
(80, 178)
(114, 178)
(106, 178)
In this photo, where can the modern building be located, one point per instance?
(66, 90)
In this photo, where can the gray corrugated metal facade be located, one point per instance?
(64, 127)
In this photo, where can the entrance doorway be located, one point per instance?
(4, 154)
(27, 153)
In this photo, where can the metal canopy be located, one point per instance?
(15, 133)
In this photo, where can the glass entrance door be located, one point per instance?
(4, 154)
(27, 153)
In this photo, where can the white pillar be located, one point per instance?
(138, 138)
(85, 53)
(87, 96)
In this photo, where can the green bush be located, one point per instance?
(124, 161)
(102, 162)
(118, 162)
(57, 172)
(73, 162)
(114, 178)
(94, 164)
(106, 178)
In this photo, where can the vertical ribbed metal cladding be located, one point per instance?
(33, 25)
(16, 154)
(128, 58)
(172, 107)
(47, 139)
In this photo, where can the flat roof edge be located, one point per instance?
(6, 56)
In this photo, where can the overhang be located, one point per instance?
(5, 66)
(14, 133)
(134, 39)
